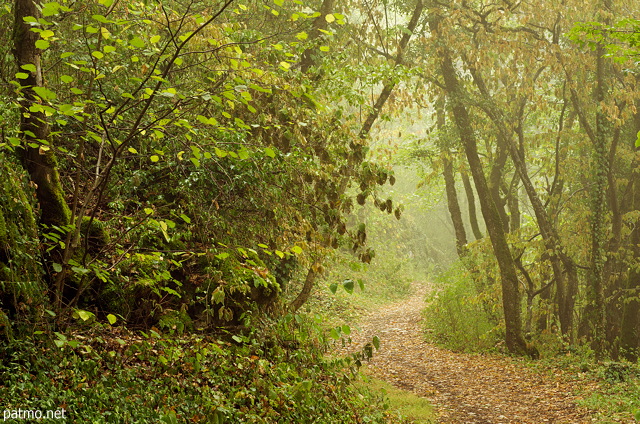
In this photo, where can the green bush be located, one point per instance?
(460, 316)
(274, 375)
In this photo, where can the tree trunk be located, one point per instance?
(630, 327)
(36, 153)
(471, 203)
(309, 282)
(454, 206)
(450, 184)
(510, 291)
(319, 24)
(312, 273)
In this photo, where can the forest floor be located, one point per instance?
(464, 388)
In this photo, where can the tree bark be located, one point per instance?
(309, 282)
(36, 153)
(630, 326)
(312, 273)
(471, 204)
(454, 206)
(319, 24)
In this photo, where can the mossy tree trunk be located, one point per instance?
(36, 153)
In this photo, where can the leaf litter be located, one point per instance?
(463, 387)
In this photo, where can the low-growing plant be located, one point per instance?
(271, 373)
(460, 316)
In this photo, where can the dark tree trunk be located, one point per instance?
(37, 153)
(511, 298)
(630, 327)
(319, 24)
(471, 203)
(450, 184)
(454, 206)
(309, 282)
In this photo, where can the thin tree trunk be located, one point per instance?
(309, 282)
(630, 327)
(454, 206)
(471, 204)
(389, 86)
(450, 185)
(312, 273)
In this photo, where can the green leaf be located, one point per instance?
(334, 334)
(42, 44)
(148, 211)
(47, 33)
(84, 315)
(185, 218)
(638, 139)
(333, 287)
(154, 158)
(346, 329)
(154, 39)
(45, 93)
(348, 286)
(269, 152)
(57, 267)
(112, 319)
(97, 54)
(66, 79)
(22, 75)
(376, 342)
(137, 42)
(169, 418)
(296, 249)
(243, 153)
(29, 67)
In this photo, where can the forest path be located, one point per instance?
(464, 388)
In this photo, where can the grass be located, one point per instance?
(403, 404)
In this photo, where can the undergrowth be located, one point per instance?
(611, 389)
(276, 374)
(459, 316)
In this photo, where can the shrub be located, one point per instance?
(460, 316)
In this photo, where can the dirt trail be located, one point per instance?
(464, 388)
